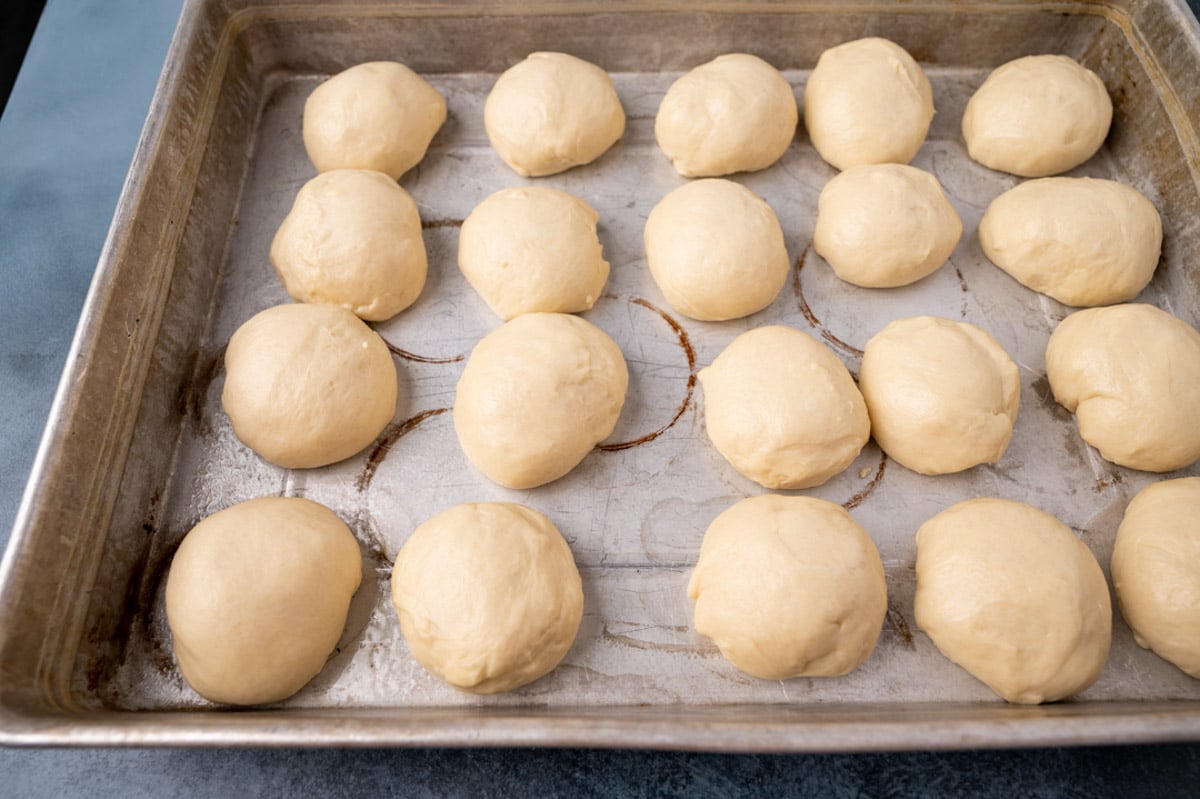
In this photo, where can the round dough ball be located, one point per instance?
(885, 225)
(380, 115)
(551, 112)
(308, 385)
(716, 250)
(536, 395)
(736, 113)
(782, 409)
(1010, 594)
(867, 102)
(1037, 116)
(1082, 241)
(1156, 570)
(352, 238)
(257, 598)
(532, 249)
(1129, 374)
(789, 587)
(488, 596)
(942, 395)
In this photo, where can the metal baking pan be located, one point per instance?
(137, 449)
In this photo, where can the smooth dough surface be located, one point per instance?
(867, 102)
(551, 112)
(379, 115)
(782, 409)
(1130, 373)
(885, 225)
(308, 385)
(533, 249)
(1010, 594)
(942, 395)
(536, 395)
(1082, 241)
(789, 587)
(716, 250)
(257, 598)
(1156, 570)
(488, 595)
(352, 238)
(736, 113)
(1036, 116)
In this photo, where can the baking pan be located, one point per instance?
(137, 448)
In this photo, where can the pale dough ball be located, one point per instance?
(1156, 570)
(942, 395)
(257, 598)
(782, 409)
(867, 102)
(1130, 373)
(352, 238)
(1010, 594)
(1082, 241)
(379, 115)
(533, 249)
(536, 395)
(1037, 116)
(716, 250)
(488, 596)
(885, 225)
(789, 587)
(308, 385)
(736, 113)
(551, 112)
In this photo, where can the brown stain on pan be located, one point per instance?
(412, 356)
(871, 485)
(385, 443)
(807, 312)
(896, 621)
(426, 224)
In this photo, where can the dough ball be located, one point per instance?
(1129, 374)
(782, 409)
(736, 113)
(257, 598)
(536, 395)
(1037, 116)
(716, 250)
(488, 596)
(1010, 594)
(885, 225)
(942, 395)
(1156, 570)
(308, 385)
(551, 112)
(1082, 241)
(352, 238)
(380, 115)
(867, 102)
(532, 249)
(789, 587)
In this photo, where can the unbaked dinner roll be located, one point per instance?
(257, 598)
(1082, 241)
(536, 395)
(782, 409)
(308, 385)
(352, 238)
(736, 113)
(716, 250)
(1130, 374)
(1036, 116)
(1156, 570)
(867, 102)
(1010, 594)
(551, 112)
(488, 595)
(789, 587)
(380, 115)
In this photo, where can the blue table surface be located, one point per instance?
(66, 140)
